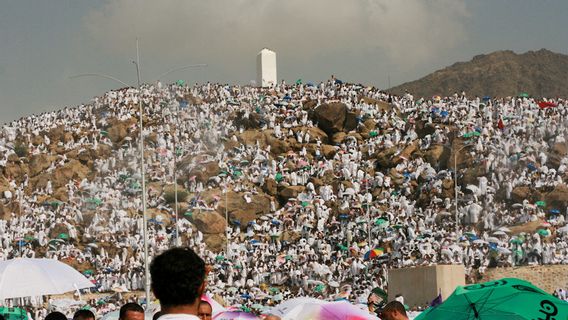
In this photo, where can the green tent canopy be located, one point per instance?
(471, 134)
(507, 298)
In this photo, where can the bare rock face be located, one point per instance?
(385, 158)
(209, 222)
(118, 130)
(330, 117)
(259, 205)
(288, 192)
(497, 74)
(215, 242)
(242, 216)
(557, 198)
(205, 171)
(270, 187)
(73, 170)
(521, 193)
(437, 156)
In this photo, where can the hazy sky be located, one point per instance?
(43, 43)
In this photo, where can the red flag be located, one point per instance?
(546, 104)
(501, 125)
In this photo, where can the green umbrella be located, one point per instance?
(541, 204)
(543, 232)
(278, 177)
(523, 95)
(516, 240)
(381, 222)
(373, 134)
(319, 288)
(380, 292)
(471, 134)
(63, 236)
(180, 82)
(508, 298)
(299, 81)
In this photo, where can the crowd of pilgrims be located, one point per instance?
(336, 226)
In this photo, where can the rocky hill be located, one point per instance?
(499, 74)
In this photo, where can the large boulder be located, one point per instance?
(270, 187)
(557, 198)
(288, 192)
(559, 151)
(382, 105)
(338, 138)
(118, 130)
(40, 163)
(205, 171)
(243, 216)
(215, 242)
(328, 151)
(437, 156)
(521, 193)
(252, 121)
(315, 133)
(385, 158)
(72, 170)
(209, 222)
(259, 205)
(350, 121)
(330, 117)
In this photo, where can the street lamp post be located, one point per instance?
(144, 220)
(144, 206)
(456, 182)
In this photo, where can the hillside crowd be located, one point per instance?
(345, 200)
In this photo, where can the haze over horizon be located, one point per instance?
(366, 41)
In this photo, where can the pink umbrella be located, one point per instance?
(234, 315)
(314, 309)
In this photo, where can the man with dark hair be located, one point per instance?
(84, 315)
(55, 315)
(394, 310)
(131, 311)
(178, 281)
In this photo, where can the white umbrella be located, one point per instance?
(23, 277)
(503, 250)
(493, 239)
(504, 229)
(499, 233)
(563, 229)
